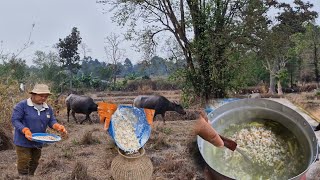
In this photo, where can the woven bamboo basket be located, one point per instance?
(125, 167)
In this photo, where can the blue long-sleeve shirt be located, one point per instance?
(25, 114)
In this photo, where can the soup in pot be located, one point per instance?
(274, 150)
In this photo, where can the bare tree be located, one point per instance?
(12, 60)
(114, 52)
(204, 30)
(84, 49)
(1, 50)
(278, 43)
(12, 56)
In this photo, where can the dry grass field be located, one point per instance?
(88, 150)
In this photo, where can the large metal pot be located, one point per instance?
(246, 110)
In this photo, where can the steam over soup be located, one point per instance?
(274, 150)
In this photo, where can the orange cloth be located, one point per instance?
(105, 111)
(27, 133)
(149, 115)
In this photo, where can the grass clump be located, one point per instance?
(88, 139)
(67, 152)
(80, 172)
(165, 130)
(50, 165)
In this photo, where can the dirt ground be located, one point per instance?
(88, 151)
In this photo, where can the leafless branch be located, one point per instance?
(26, 44)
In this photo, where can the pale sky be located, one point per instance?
(54, 19)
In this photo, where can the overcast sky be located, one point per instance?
(54, 19)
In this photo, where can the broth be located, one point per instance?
(275, 151)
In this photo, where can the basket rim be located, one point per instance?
(141, 151)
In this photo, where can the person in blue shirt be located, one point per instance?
(32, 115)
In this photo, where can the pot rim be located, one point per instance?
(264, 103)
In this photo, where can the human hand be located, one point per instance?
(105, 111)
(207, 132)
(27, 133)
(60, 128)
(204, 115)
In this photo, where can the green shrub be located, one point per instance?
(131, 76)
(118, 86)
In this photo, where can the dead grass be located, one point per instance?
(170, 166)
(178, 165)
(88, 139)
(110, 153)
(9, 96)
(144, 88)
(307, 102)
(80, 172)
(165, 139)
(159, 137)
(172, 149)
(159, 142)
(157, 160)
(5, 140)
(8, 177)
(163, 129)
(173, 116)
(50, 165)
(150, 85)
(67, 152)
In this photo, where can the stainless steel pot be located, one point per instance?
(246, 110)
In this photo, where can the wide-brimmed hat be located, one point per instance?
(40, 89)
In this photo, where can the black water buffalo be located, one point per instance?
(159, 103)
(80, 104)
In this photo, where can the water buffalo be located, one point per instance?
(159, 103)
(80, 104)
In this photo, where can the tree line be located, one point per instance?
(227, 44)
(65, 70)
(216, 46)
